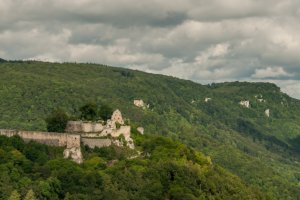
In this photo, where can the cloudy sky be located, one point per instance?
(201, 40)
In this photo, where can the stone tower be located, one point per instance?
(117, 117)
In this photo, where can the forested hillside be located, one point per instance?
(263, 151)
(165, 170)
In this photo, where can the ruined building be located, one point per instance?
(92, 134)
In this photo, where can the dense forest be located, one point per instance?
(261, 151)
(165, 170)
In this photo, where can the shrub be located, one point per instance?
(57, 122)
(89, 111)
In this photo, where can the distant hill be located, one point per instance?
(2, 60)
(261, 150)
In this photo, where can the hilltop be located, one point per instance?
(262, 150)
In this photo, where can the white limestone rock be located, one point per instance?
(141, 130)
(139, 103)
(267, 112)
(245, 104)
(74, 153)
(207, 99)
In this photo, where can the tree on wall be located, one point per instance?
(57, 121)
(92, 112)
(89, 111)
(105, 112)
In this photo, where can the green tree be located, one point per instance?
(89, 111)
(105, 111)
(57, 122)
(14, 195)
(30, 195)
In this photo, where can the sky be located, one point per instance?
(201, 40)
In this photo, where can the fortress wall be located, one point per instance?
(125, 130)
(73, 141)
(73, 126)
(8, 133)
(85, 127)
(93, 142)
(55, 139)
(49, 138)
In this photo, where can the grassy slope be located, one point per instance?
(262, 151)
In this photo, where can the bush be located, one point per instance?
(89, 112)
(105, 112)
(57, 122)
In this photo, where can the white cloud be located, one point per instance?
(271, 72)
(201, 40)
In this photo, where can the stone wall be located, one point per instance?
(49, 138)
(95, 142)
(70, 141)
(125, 130)
(117, 117)
(85, 127)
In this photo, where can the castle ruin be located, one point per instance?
(92, 134)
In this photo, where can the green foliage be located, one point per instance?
(2, 60)
(93, 112)
(14, 195)
(89, 112)
(182, 173)
(30, 195)
(57, 121)
(105, 111)
(262, 151)
(118, 125)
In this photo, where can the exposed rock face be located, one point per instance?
(139, 103)
(261, 100)
(207, 99)
(245, 104)
(141, 130)
(267, 112)
(74, 153)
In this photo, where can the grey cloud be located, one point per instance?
(201, 40)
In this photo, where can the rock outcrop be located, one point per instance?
(245, 104)
(140, 130)
(140, 103)
(207, 99)
(267, 112)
